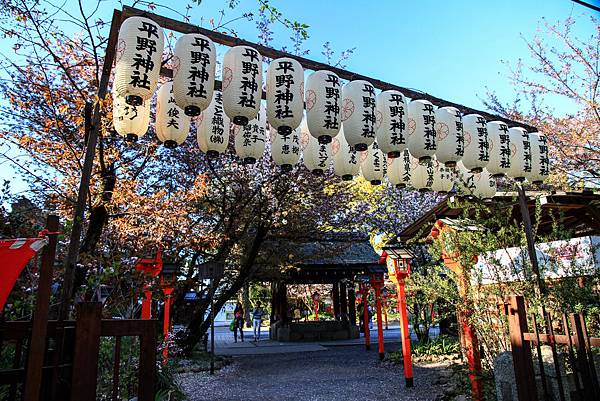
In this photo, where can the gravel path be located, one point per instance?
(339, 373)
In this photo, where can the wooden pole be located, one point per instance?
(335, 299)
(147, 305)
(352, 305)
(92, 129)
(366, 317)
(406, 355)
(212, 327)
(377, 286)
(37, 343)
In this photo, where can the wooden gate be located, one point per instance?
(574, 376)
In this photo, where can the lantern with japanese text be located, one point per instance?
(285, 148)
(373, 164)
(317, 156)
(346, 162)
(539, 158)
(358, 114)
(194, 61)
(399, 169)
(442, 177)
(285, 95)
(464, 180)
(421, 130)
(500, 148)
(449, 136)
(476, 148)
(520, 154)
(213, 127)
(485, 185)
(250, 139)
(391, 122)
(242, 84)
(138, 59)
(323, 105)
(172, 125)
(130, 121)
(422, 175)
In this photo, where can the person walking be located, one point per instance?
(257, 315)
(238, 315)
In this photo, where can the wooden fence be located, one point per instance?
(71, 358)
(571, 374)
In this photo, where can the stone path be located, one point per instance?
(337, 373)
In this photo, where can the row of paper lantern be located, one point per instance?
(396, 124)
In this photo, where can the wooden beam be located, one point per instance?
(269, 52)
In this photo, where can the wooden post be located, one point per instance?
(352, 305)
(166, 322)
(147, 374)
(521, 349)
(87, 347)
(343, 302)
(406, 355)
(147, 305)
(92, 128)
(37, 343)
(335, 299)
(366, 316)
(377, 286)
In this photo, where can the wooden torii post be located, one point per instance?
(469, 336)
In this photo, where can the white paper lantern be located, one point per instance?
(500, 149)
(346, 162)
(323, 105)
(443, 179)
(373, 164)
(194, 61)
(391, 123)
(172, 125)
(520, 153)
(316, 156)
(213, 128)
(138, 59)
(285, 94)
(540, 162)
(285, 148)
(358, 114)
(250, 139)
(130, 121)
(422, 175)
(477, 144)
(399, 169)
(464, 180)
(485, 185)
(421, 130)
(242, 84)
(449, 136)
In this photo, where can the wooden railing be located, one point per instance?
(71, 358)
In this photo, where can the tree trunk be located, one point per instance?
(99, 214)
(198, 325)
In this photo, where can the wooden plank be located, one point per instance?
(87, 347)
(265, 51)
(126, 327)
(37, 342)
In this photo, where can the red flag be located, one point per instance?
(14, 255)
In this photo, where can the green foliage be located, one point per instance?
(441, 345)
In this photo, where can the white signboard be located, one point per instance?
(568, 258)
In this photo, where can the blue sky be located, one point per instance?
(450, 49)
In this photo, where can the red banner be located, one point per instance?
(14, 255)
